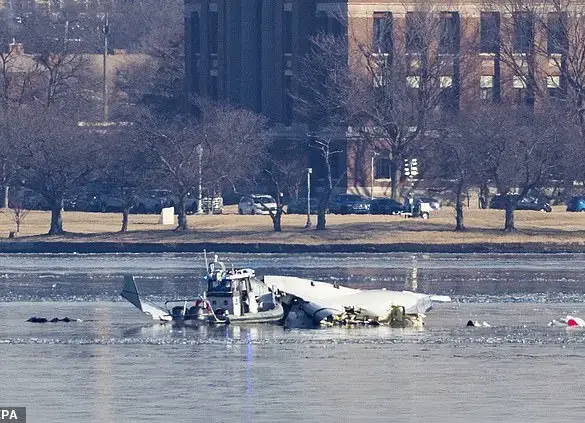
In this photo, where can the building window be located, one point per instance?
(448, 95)
(449, 37)
(489, 37)
(523, 32)
(382, 167)
(195, 35)
(446, 81)
(553, 82)
(415, 25)
(213, 30)
(337, 27)
(557, 37)
(287, 35)
(553, 86)
(519, 86)
(321, 21)
(382, 35)
(413, 81)
(486, 86)
(213, 87)
(518, 82)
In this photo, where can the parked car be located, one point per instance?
(526, 203)
(153, 201)
(386, 206)
(27, 199)
(433, 202)
(257, 204)
(576, 204)
(300, 206)
(349, 204)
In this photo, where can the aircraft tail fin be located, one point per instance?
(130, 293)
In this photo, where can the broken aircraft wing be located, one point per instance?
(323, 300)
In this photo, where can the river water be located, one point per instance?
(116, 366)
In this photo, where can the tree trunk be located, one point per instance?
(509, 225)
(5, 199)
(395, 182)
(484, 193)
(5, 183)
(459, 227)
(125, 215)
(321, 220)
(56, 219)
(182, 217)
(276, 219)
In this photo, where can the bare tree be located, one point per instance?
(389, 93)
(53, 156)
(129, 170)
(455, 157)
(59, 69)
(159, 81)
(232, 144)
(519, 149)
(328, 150)
(286, 168)
(543, 50)
(18, 213)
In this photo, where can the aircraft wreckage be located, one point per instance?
(237, 296)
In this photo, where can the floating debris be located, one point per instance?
(36, 319)
(569, 321)
(476, 324)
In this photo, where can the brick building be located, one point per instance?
(247, 52)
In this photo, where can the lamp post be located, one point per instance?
(372, 175)
(309, 171)
(199, 193)
(106, 31)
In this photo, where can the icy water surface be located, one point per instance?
(116, 366)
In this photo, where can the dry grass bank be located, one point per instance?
(483, 226)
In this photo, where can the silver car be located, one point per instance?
(257, 204)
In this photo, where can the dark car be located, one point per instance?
(526, 203)
(576, 204)
(28, 200)
(85, 201)
(153, 201)
(300, 206)
(349, 204)
(386, 206)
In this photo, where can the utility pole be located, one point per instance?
(106, 31)
(308, 224)
(199, 193)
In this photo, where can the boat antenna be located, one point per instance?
(205, 256)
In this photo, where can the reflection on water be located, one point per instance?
(116, 365)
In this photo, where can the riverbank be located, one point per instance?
(558, 231)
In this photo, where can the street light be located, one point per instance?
(309, 171)
(372, 175)
(106, 31)
(199, 194)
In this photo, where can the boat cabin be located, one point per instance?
(230, 292)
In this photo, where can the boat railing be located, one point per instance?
(183, 300)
